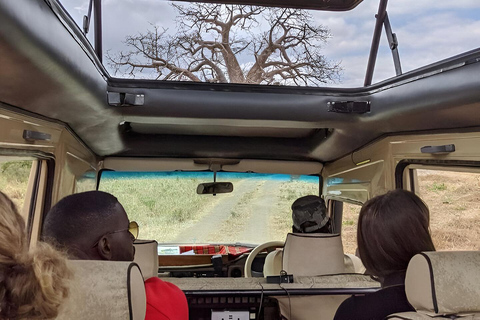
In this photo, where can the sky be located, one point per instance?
(427, 31)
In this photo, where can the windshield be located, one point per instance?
(169, 210)
(213, 43)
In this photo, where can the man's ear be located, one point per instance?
(104, 248)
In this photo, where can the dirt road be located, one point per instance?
(242, 216)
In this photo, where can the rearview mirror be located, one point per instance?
(214, 187)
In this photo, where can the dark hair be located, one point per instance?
(392, 228)
(78, 215)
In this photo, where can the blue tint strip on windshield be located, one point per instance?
(155, 175)
(207, 175)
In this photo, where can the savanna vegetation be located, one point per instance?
(454, 202)
(14, 179)
(169, 209)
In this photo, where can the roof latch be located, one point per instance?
(125, 99)
(349, 106)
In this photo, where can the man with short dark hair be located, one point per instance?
(93, 225)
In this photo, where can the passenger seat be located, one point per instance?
(106, 290)
(443, 285)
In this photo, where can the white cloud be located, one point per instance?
(427, 30)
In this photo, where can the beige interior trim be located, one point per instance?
(270, 166)
(38, 211)
(169, 164)
(30, 186)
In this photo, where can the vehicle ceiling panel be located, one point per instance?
(47, 70)
(330, 5)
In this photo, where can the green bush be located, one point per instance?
(17, 171)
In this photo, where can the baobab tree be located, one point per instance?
(232, 43)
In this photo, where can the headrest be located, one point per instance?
(313, 254)
(146, 256)
(107, 290)
(444, 282)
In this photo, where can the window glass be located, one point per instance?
(14, 175)
(86, 182)
(167, 40)
(349, 227)
(454, 202)
(168, 209)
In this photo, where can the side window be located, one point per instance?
(454, 202)
(14, 176)
(349, 227)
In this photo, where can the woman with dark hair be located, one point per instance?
(32, 282)
(392, 228)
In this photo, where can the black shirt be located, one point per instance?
(378, 305)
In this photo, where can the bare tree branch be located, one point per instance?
(221, 43)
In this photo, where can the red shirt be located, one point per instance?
(165, 301)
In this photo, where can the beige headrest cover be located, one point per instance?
(444, 282)
(106, 290)
(313, 254)
(273, 263)
(146, 256)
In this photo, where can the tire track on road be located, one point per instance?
(219, 213)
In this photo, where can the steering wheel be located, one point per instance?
(253, 254)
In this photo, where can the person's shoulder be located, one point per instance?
(353, 306)
(375, 305)
(165, 300)
(156, 283)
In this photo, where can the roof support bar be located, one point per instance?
(382, 10)
(393, 43)
(97, 4)
(98, 28)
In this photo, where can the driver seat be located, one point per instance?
(307, 254)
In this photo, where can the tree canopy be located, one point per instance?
(232, 44)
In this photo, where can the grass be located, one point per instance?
(436, 186)
(168, 206)
(454, 214)
(14, 179)
(349, 227)
(161, 206)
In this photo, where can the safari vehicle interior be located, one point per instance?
(210, 170)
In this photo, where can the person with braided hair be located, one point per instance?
(33, 283)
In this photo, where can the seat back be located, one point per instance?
(273, 263)
(313, 254)
(443, 283)
(107, 290)
(146, 256)
(353, 264)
